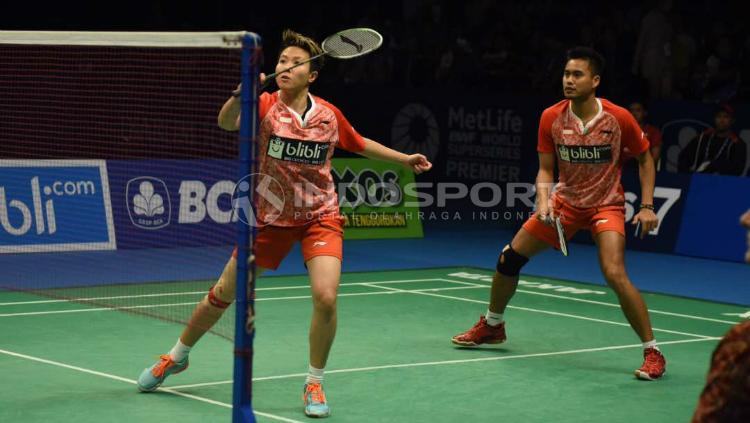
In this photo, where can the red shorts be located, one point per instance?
(595, 219)
(320, 238)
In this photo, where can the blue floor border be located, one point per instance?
(712, 280)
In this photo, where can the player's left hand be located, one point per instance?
(418, 163)
(648, 220)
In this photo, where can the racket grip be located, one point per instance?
(267, 81)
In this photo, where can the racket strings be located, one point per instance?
(352, 43)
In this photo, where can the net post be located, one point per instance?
(242, 409)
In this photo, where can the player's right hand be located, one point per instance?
(262, 78)
(546, 212)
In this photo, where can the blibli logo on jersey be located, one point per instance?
(585, 153)
(276, 148)
(298, 151)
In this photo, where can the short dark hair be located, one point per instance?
(596, 60)
(724, 108)
(294, 39)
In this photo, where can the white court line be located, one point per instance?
(118, 297)
(553, 313)
(666, 313)
(133, 382)
(167, 294)
(388, 290)
(277, 288)
(448, 362)
(583, 300)
(85, 310)
(297, 297)
(394, 291)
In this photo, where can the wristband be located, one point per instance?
(236, 93)
(647, 206)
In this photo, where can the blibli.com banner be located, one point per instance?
(55, 205)
(173, 203)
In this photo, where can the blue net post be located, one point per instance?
(242, 407)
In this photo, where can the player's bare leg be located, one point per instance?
(503, 286)
(491, 328)
(209, 310)
(206, 313)
(612, 260)
(325, 274)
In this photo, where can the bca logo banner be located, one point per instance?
(149, 204)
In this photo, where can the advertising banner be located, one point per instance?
(55, 205)
(173, 203)
(377, 199)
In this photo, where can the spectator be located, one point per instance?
(745, 221)
(744, 93)
(684, 49)
(652, 54)
(726, 395)
(721, 79)
(639, 112)
(717, 150)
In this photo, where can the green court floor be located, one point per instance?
(569, 357)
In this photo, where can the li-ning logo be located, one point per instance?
(298, 151)
(351, 42)
(149, 205)
(585, 153)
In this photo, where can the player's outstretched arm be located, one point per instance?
(229, 115)
(416, 162)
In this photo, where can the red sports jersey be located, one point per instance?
(589, 157)
(653, 134)
(297, 153)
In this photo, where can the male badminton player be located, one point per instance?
(586, 136)
(298, 135)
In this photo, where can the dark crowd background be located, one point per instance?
(655, 50)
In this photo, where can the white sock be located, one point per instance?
(493, 319)
(651, 344)
(179, 352)
(314, 375)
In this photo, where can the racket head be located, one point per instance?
(351, 43)
(561, 236)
